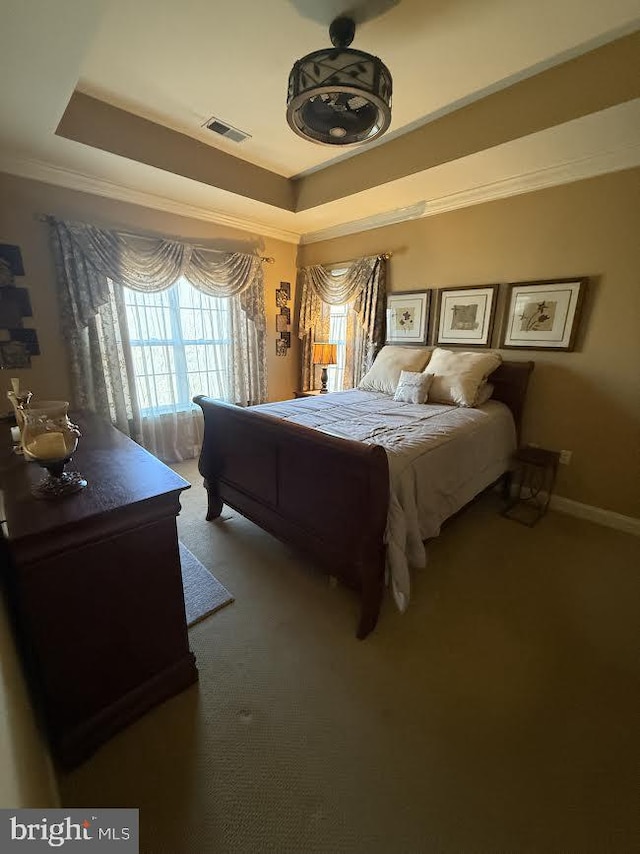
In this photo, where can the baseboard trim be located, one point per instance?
(628, 524)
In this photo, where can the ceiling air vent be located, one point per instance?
(226, 130)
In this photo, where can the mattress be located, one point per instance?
(439, 457)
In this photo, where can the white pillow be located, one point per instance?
(413, 387)
(457, 375)
(484, 394)
(389, 363)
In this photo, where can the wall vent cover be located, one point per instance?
(224, 129)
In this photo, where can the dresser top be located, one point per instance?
(119, 474)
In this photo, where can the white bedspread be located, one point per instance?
(440, 457)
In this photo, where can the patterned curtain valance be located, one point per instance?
(320, 284)
(155, 264)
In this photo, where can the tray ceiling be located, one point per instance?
(178, 64)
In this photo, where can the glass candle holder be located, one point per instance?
(50, 439)
(20, 401)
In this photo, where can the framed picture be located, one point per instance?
(543, 315)
(14, 354)
(408, 317)
(28, 337)
(12, 257)
(286, 287)
(465, 315)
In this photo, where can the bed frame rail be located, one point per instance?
(324, 495)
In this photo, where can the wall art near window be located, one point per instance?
(14, 354)
(543, 315)
(17, 344)
(283, 319)
(28, 337)
(465, 315)
(408, 317)
(12, 258)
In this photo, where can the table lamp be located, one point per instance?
(325, 354)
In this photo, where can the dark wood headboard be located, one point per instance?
(510, 383)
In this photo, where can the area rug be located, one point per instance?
(203, 594)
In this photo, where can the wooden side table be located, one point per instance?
(533, 479)
(309, 393)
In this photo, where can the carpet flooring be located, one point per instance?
(499, 715)
(203, 593)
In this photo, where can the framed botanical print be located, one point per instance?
(465, 315)
(543, 315)
(408, 317)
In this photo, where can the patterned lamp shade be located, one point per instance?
(325, 354)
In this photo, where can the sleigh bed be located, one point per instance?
(348, 503)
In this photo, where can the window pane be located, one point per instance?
(180, 340)
(338, 336)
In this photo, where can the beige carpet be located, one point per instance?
(499, 714)
(203, 593)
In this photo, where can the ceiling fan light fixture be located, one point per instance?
(339, 96)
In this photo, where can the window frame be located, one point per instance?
(177, 345)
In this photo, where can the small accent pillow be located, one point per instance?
(390, 361)
(458, 375)
(413, 387)
(484, 394)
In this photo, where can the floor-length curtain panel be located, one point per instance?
(99, 272)
(91, 327)
(361, 286)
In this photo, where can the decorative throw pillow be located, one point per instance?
(413, 387)
(457, 375)
(390, 361)
(484, 394)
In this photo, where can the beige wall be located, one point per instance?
(20, 203)
(587, 401)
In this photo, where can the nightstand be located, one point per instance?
(310, 393)
(533, 478)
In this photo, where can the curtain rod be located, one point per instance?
(266, 259)
(385, 255)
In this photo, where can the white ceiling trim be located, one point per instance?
(627, 157)
(38, 170)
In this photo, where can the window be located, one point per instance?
(338, 335)
(181, 341)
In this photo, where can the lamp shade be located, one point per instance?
(325, 354)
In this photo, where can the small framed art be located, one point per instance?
(543, 315)
(465, 315)
(408, 317)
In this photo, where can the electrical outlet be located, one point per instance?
(565, 457)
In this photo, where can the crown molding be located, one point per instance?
(366, 224)
(539, 179)
(589, 167)
(59, 176)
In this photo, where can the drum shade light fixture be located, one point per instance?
(339, 96)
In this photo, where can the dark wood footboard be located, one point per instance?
(327, 497)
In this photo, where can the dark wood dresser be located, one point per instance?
(95, 589)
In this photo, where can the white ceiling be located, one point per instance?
(178, 63)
